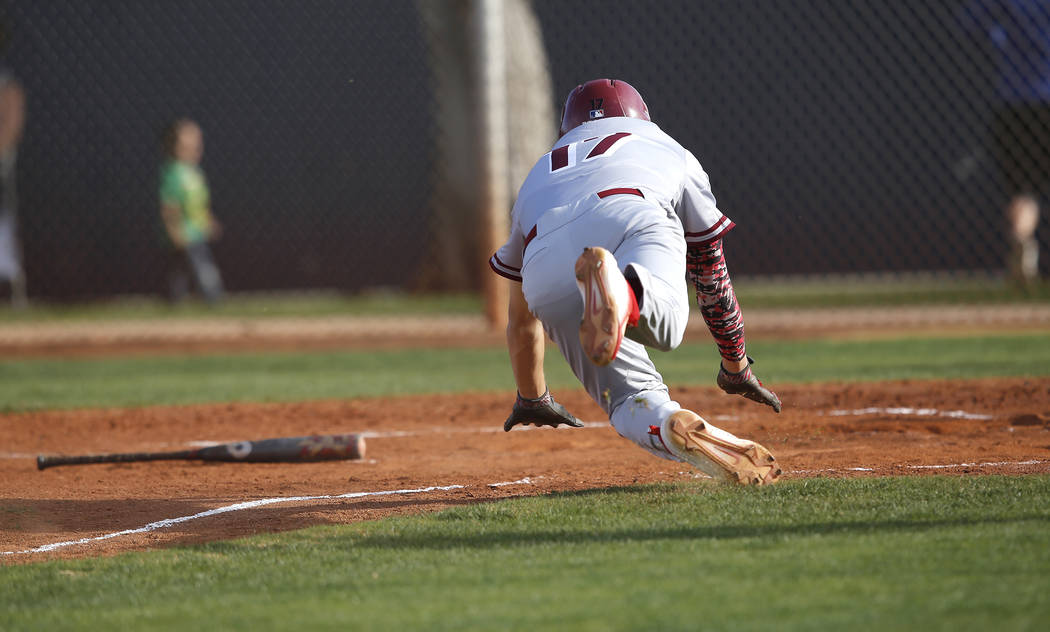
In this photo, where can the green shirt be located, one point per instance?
(182, 185)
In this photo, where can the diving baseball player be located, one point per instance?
(604, 232)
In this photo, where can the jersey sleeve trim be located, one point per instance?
(505, 271)
(720, 228)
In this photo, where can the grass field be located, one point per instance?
(861, 554)
(755, 293)
(926, 553)
(28, 384)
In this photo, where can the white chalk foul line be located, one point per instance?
(523, 481)
(917, 412)
(251, 504)
(946, 466)
(160, 524)
(985, 464)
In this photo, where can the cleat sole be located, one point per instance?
(600, 331)
(720, 454)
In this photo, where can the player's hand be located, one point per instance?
(542, 411)
(746, 384)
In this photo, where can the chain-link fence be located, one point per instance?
(842, 137)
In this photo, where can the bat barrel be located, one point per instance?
(290, 449)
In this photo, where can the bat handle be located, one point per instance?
(44, 461)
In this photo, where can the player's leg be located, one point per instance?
(642, 411)
(632, 392)
(610, 306)
(653, 261)
(716, 452)
(635, 288)
(654, 244)
(629, 388)
(664, 428)
(661, 426)
(550, 290)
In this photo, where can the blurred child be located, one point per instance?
(12, 120)
(185, 208)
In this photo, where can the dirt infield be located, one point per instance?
(457, 442)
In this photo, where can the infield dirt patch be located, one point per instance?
(876, 429)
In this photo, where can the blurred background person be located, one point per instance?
(12, 120)
(185, 210)
(1023, 218)
(1018, 34)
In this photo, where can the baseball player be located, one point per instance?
(604, 231)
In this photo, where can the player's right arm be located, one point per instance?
(525, 342)
(525, 345)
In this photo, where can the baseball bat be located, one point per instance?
(286, 450)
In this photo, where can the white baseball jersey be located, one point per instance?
(624, 185)
(596, 160)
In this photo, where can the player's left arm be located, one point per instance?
(721, 311)
(705, 225)
(525, 344)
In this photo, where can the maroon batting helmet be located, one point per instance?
(602, 98)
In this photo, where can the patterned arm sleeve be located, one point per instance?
(714, 293)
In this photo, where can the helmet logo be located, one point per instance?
(596, 109)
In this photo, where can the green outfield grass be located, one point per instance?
(262, 305)
(753, 294)
(33, 384)
(756, 293)
(934, 553)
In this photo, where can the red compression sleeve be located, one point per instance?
(714, 292)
